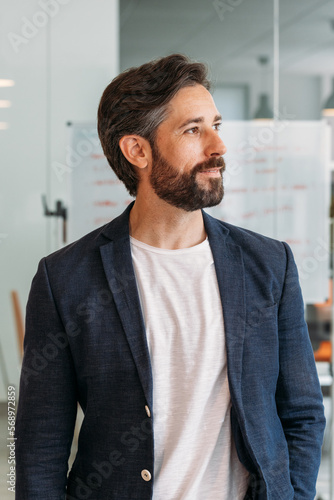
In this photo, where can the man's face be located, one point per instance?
(187, 164)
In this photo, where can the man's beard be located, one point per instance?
(182, 189)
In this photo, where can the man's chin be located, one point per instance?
(204, 200)
(216, 193)
(213, 194)
(214, 200)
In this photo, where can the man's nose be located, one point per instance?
(215, 146)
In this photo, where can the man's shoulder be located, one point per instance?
(243, 237)
(88, 246)
(260, 254)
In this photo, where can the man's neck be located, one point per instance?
(161, 225)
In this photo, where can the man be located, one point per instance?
(182, 337)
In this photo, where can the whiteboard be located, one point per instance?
(277, 182)
(96, 194)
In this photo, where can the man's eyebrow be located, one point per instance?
(200, 119)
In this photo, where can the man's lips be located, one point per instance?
(213, 165)
(212, 171)
(213, 168)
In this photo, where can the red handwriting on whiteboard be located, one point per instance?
(248, 215)
(266, 171)
(293, 242)
(109, 182)
(284, 208)
(105, 203)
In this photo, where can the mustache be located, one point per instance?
(214, 162)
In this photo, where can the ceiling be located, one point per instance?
(230, 39)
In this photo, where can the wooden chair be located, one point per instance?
(18, 316)
(324, 352)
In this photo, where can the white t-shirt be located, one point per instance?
(195, 457)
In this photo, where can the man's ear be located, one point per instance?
(136, 150)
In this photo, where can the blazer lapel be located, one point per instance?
(117, 263)
(231, 282)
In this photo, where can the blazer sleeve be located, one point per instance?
(47, 399)
(298, 396)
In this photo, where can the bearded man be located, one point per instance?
(182, 337)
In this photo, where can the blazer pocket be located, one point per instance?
(258, 317)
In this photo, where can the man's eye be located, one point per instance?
(193, 130)
(217, 126)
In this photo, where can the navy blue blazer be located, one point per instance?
(85, 341)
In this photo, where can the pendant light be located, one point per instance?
(328, 109)
(263, 111)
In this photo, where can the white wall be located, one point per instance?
(61, 55)
(301, 95)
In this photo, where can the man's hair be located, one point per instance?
(136, 102)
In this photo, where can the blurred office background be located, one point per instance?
(272, 67)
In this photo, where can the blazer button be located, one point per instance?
(147, 411)
(146, 475)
